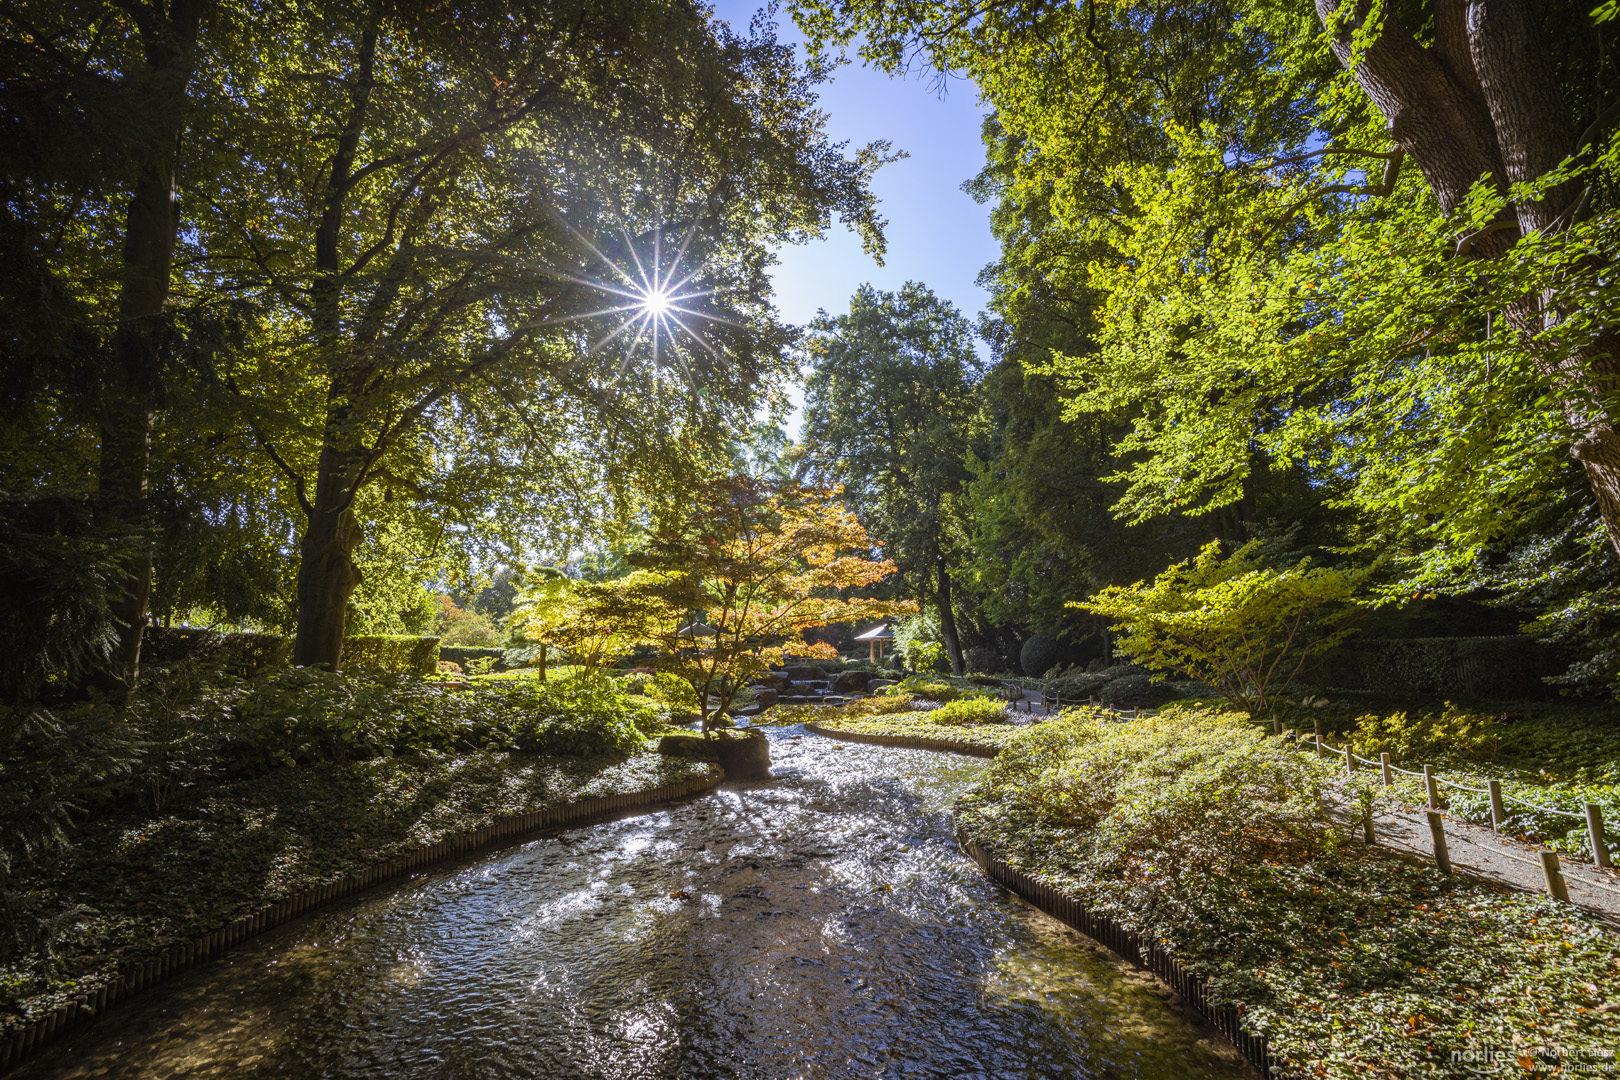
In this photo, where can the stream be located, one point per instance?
(822, 924)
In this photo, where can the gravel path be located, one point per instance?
(1501, 859)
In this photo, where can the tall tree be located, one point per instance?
(436, 210)
(1279, 284)
(888, 404)
(119, 76)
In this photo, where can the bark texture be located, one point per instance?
(947, 618)
(128, 393)
(1485, 99)
(327, 574)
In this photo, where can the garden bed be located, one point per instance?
(916, 730)
(133, 885)
(1211, 840)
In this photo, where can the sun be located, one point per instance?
(656, 302)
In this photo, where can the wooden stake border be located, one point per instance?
(133, 978)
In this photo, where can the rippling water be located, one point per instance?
(823, 924)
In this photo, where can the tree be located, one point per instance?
(1243, 627)
(597, 620)
(1366, 244)
(109, 85)
(427, 304)
(760, 564)
(888, 402)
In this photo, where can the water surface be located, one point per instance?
(823, 924)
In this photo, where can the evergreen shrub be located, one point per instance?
(402, 654)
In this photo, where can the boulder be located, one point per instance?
(745, 755)
(775, 681)
(847, 681)
(765, 697)
(877, 684)
(808, 673)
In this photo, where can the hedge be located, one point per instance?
(463, 654)
(403, 654)
(241, 654)
(1463, 667)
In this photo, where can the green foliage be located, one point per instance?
(888, 402)
(1040, 655)
(236, 847)
(402, 654)
(587, 715)
(54, 765)
(58, 573)
(241, 654)
(1214, 840)
(966, 711)
(928, 688)
(1233, 622)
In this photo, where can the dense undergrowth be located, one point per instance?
(124, 828)
(1200, 831)
(1553, 754)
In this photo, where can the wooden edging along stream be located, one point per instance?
(134, 978)
(1127, 944)
(904, 741)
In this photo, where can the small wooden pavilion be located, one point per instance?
(875, 638)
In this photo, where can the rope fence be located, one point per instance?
(1552, 872)
(1547, 859)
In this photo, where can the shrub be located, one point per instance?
(1041, 654)
(402, 654)
(240, 654)
(1233, 622)
(462, 655)
(1477, 735)
(587, 715)
(925, 688)
(981, 659)
(1163, 802)
(970, 711)
(1136, 691)
(881, 705)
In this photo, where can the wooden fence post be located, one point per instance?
(1594, 833)
(1349, 758)
(1367, 826)
(1318, 723)
(1554, 876)
(1437, 829)
(1431, 787)
(1389, 777)
(1498, 811)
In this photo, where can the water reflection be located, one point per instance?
(820, 925)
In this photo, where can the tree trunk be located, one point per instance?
(327, 575)
(947, 618)
(129, 383)
(1486, 99)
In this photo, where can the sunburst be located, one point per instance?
(653, 301)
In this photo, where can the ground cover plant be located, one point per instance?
(125, 827)
(1199, 830)
(133, 883)
(921, 725)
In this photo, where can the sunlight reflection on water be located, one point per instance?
(819, 925)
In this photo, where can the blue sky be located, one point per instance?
(937, 234)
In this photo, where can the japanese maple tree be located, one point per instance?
(762, 563)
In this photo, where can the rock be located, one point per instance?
(745, 755)
(720, 720)
(765, 697)
(877, 684)
(807, 674)
(449, 667)
(846, 681)
(775, 681)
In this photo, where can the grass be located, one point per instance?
(133, 884)
(1202, 832)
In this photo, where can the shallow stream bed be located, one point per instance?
(823, 924)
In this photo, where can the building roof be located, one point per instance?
(880, 632)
